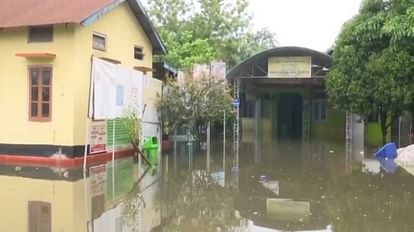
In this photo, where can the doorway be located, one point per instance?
(289, 117)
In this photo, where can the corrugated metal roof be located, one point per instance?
(318, 58)
(18, 13)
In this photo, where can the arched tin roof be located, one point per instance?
(257, 64)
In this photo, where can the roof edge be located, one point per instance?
(275, 49)
(140, 15)
(99, 13)
(143, 18)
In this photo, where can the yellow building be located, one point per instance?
(45, 67)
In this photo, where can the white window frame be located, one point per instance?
(101, 36)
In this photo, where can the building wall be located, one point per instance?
(333, 128)
(72, 45)
(15, 126)
(123, 32)
(374, 135)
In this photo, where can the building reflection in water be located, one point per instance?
(52, 199)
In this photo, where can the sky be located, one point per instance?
(313, 24)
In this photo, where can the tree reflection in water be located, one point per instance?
(133, 204)
(131, 211)
(362, 202)
(193, 201)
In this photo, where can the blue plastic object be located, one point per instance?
(388, 165)
(389, 150)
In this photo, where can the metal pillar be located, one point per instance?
(224, 141)
(236, 133)
(236, 126)
(175, 150)
(358, 137)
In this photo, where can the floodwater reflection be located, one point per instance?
(294, 186)
(363, 202)
(279, 186)
(194, 201)
(112, 198)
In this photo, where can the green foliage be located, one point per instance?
(401, 21)
(201, 30)
(253, 43)
(133, 127)
(373, 65)
(195, 102)
(187, 50)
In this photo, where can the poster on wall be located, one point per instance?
(115, 90)
(289, 67)
(97, 137)
(119, 140)
(97, 179)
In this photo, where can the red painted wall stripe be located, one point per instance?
(39, 161)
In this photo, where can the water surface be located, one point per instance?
(279, 186)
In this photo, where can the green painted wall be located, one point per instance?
(333, 128)
(373, 135)
(267, 115)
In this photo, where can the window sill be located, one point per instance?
(40, 119)
(99, 49)
(36, 55)
(143, 68)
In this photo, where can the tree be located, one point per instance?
(194, 102)
(373, 66)
(187, 50)
(223, 26)
(132, 124)
(400, 28)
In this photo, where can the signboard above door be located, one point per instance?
(289, 67)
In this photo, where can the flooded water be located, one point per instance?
(283, 186)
